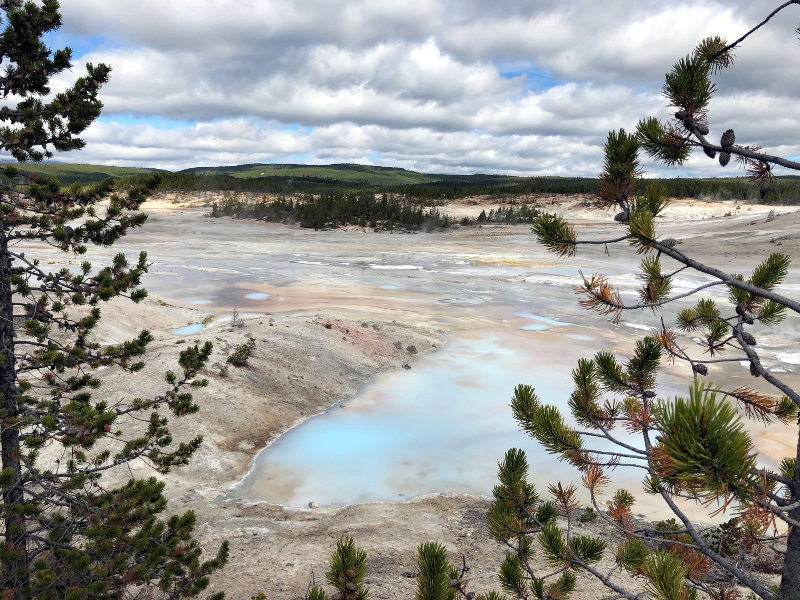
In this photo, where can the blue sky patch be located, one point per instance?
(297, 127)
(162, 123)
(81, 45)
(538, 79)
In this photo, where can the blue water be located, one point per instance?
(188, 329)
(257, 296)
(440, 427)
(547, 320)
(542, 325)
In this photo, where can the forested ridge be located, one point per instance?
(783, 190)
(352, 178)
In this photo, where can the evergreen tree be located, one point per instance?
(435, 573)
(346, 574)
(693, 447)
(517, 515)
(66, 534)
(437, 578)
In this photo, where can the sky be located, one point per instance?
(518, 87)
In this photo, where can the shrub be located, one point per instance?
(240, 356)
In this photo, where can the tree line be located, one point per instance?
(780, 190)
(335, 210)
(364, 210)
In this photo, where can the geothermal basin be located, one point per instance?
(508, 313)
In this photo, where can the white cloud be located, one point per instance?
(418, 83)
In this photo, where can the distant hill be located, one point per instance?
(426, 187)
(349, 176)
(433, 187)
(68, 174)
(367, 174)
(287, 178)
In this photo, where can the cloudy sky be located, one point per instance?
(457, 86)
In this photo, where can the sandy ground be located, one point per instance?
(300, 368)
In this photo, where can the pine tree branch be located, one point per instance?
(733, 45)
(774, 477)
(725, 278)
(755, 363)
(675, 272)
(778, 513)
(776, 508)
(605, 433)
(743, 152)
(623, 593)
(648, 533)
(614, 464)
(595, 242)
(606, 436)
(660, 302)
(754, 585)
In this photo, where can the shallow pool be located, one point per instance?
(190, 329)
(440, 427)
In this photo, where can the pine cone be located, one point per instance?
(710, 152)
(724, 158)
(702, 129)
(748, 338)
(753, 370)
(681, 114)
(700, 369)
(669, 242)
(688, 123)
(728, 139)
(622, 217)
(743, 313)
(649, 394)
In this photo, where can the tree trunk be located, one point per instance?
(790, 580)
(14, 524)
